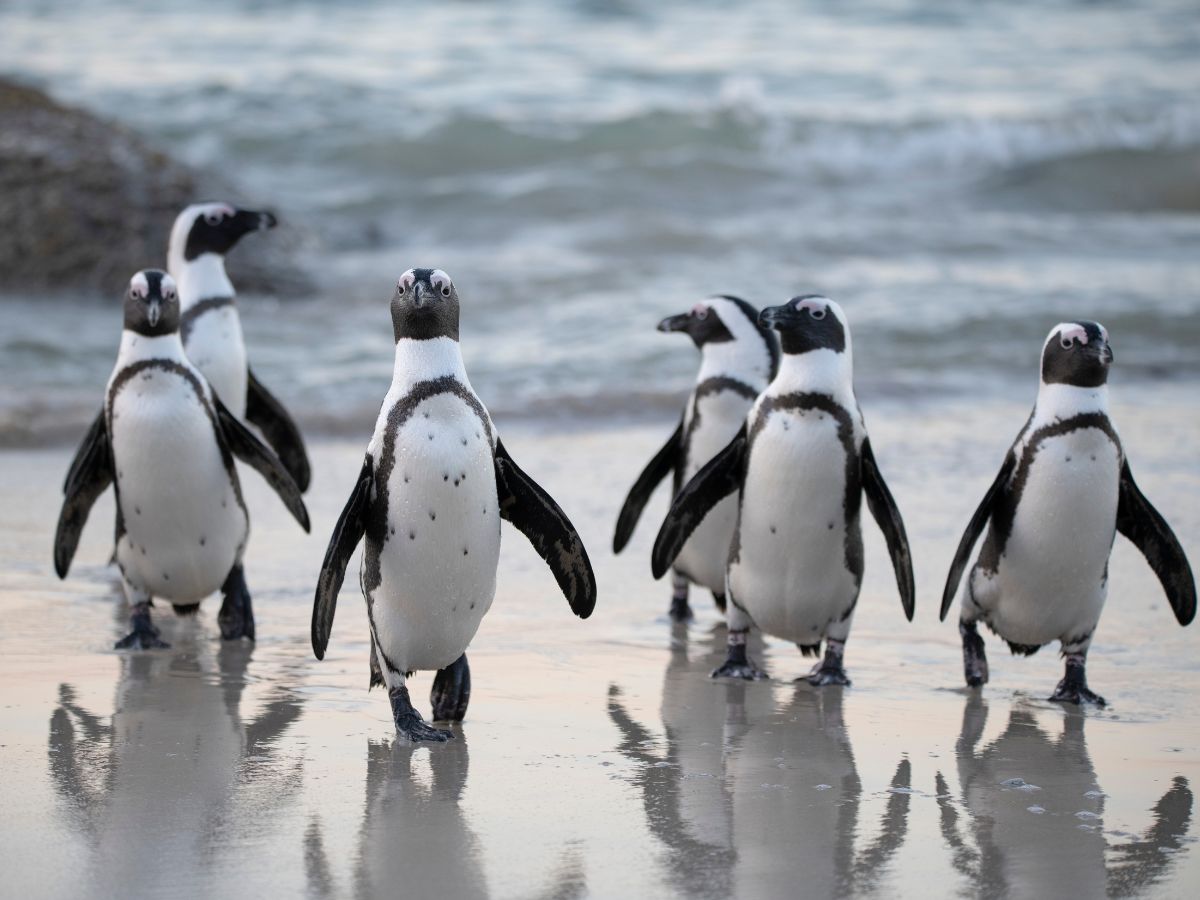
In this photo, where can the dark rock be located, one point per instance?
(86, 203)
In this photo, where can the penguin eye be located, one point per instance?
(213, 218)
(1067, 343)
(441, 281)
(817, 314)
(701, 313)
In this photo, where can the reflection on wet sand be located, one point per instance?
(1047, 839)
(415, 839)
(175, 771)
(750, 799)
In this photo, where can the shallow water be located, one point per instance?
(597, 760)
(959, 178)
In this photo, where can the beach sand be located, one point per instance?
(597, 759)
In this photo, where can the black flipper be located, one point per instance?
(252, 452)
(883, 508)
(720, 477)
(451, 691)
(278, 428)
(535, 514)
(90, 475)
(349, 530)
(95, 432)
(664, 462)
(1139, 521)
(974, 529)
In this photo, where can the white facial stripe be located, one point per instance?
(440, 281)
(138, 286)
(814, 303)
(168, 287)
(214, 212)
(406, 280)
(1076, 332)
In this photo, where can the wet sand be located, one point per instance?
(597, 759)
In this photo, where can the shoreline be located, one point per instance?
(213, 768)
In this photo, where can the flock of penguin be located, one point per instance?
(770, 463)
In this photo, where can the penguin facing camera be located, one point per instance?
(434, 485)
(166, 443)
(800, 466)
(1063, 493)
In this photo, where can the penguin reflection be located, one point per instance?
(737, 802)
(154, 787)
(1049, 841)
(415, 840)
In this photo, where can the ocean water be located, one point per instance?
(959, 176)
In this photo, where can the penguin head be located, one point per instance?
(212, 228)
(727, 329)
(809, 322)
(1076, 354)
(152, 304)
(425, 306)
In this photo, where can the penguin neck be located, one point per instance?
(734, 359)
(202, 278)
(427, 359)
(138, 347)
(1062, 401)
(815, 372)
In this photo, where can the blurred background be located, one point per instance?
(960, 176)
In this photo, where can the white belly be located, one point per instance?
(185, 525)
(437, 564)
(215, 346)
(704, 556)
(790, 573)
(1050, 583)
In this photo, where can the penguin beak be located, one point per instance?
(419, 299)
(778, 317)
(154, 311)
(245, 221)
(1106, 354)
(675, 323)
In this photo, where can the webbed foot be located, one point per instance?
(451, 691)
(830, 670)
(236, 617)
(824, 675)
(409, 723)
(145, 635)
(1073, 688)
(737, 663)
(975, 666)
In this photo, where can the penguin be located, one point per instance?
(166, 444)
(434, 485)
(212, 331)
(1053, 511)
(738, 358)
(800, 466)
